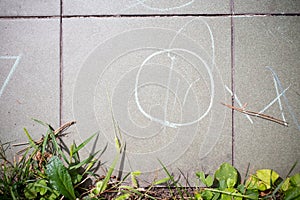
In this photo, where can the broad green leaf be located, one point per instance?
(227, 173)
(201, 176)
(60, 178)
(267, 176)
(295, 180)
(123, 197)
(292, 193)
(286, 184)
(230, 183)
(207, 195)
(209, 181)
(98, 187)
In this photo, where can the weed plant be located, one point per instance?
(45, 170)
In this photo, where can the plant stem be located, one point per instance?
(230, 193)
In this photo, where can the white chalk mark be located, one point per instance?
(176, 92)
(210, 33)
(144, 4)
(279, 100)
(17, 58)
(274, 100)
(169, 83)
(188, 90)
(295, 120)
(165, 122)
(239, 102)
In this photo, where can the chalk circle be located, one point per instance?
(179, 5)
(114, 77)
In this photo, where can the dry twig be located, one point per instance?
(256, 114)
(40, 141)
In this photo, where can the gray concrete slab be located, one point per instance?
(29, 8)
(162, 79)
(29, 77)
(266, 6)
(267, 57)
(108, 7)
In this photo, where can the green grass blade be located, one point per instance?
(172, 179)
(40, 122)
(31, 141)
(57, 148)
(84, 143)
(84, 162)
(45, 142)
(109, 174)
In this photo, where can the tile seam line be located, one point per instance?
(232, 49)
(152, 15)
(60, 63)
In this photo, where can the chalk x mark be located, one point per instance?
(239, 102)
(17, 60)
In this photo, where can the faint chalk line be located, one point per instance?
(144, 4)
(210, 33)
(239, 102)
(188, 90)
(169, 83)
(276, 79)
(17, 60)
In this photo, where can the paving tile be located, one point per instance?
(29, 75)
(267, 6)
(267, 49)
(108, 7)
(160, 98)
(29, 8)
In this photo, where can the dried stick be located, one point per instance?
(256, 114)
(40, 141)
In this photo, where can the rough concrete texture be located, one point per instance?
(267, 6)
(161, 71)
(29, 8)
(132, 7)
(29, 62)
(161, 83)
(267, 63)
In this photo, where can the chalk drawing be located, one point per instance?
(280, 88)
(160, 90)
(239, 102)
(210, 34)
(146, 5)
(280, 92)
(166, 122)
(17, 60)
